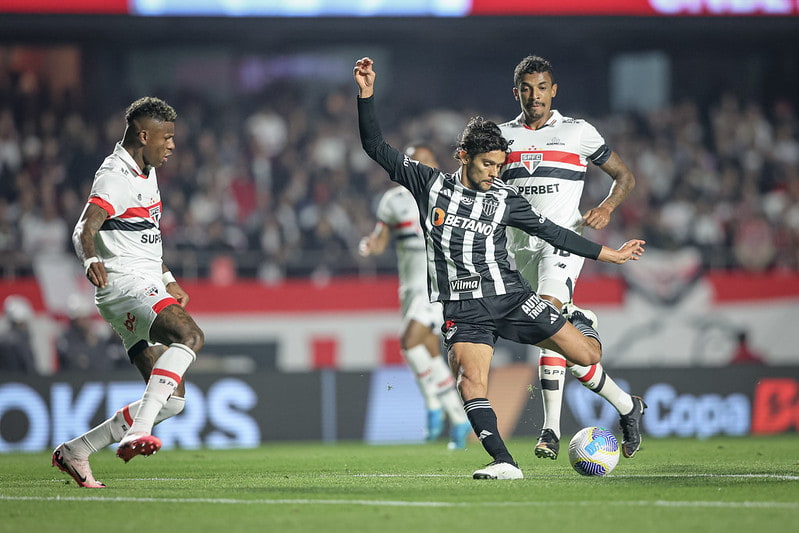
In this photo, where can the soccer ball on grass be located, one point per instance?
(594, 451)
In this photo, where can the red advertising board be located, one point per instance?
(397, 8)
(97, 7)
(637, 7)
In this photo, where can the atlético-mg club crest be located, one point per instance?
(490, 205)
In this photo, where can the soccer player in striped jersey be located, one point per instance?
(464, 216)
(421, 346)
(548, 160)
(118, 240)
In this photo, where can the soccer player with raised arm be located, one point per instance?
(118, 240)
(421, 319)
(547, 163)
(465, 215)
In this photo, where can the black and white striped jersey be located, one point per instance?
(464, 228)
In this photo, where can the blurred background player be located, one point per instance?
(118, 240)
(16, 348)
(83, 346)
(421, 346)
(548, 161)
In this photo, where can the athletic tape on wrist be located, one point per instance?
(168, 278)
(88, 263)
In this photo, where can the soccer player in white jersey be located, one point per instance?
(548, 161)
(421, 346)
(118, 240)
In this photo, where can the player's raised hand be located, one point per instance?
(364, 76)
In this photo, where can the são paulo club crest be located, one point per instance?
(531, 160)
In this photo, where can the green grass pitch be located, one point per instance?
(673, 485)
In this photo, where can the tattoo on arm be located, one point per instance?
(88, 226)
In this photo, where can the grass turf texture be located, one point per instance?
(719, 484)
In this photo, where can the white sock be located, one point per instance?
(552, 374)
(164, 379)
(596, 379)
(421, 364)
(113, 429)
(444, 383)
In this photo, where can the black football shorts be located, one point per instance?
(521, 317)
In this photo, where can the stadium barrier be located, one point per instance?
(384, 405)
(659, 316)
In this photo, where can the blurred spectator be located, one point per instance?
(744, 355)
(16, 350)
(86, 344)
(292, 150)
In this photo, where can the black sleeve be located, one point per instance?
(524, 216)
(401, 169)
(372, 138)
(601, 156)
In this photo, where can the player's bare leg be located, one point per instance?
(579, 346)
(173, 327)
(473, 362)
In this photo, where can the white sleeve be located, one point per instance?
(590, 141)
(387, 209)
(109, 187)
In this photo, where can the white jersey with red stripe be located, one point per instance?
(397, 210)
(548, 164)
(129, 241)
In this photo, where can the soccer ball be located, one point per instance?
(594, 451)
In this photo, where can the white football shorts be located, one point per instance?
(130, 303)
(417, 306)
(549, 271)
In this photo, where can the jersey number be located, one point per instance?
(130, 322)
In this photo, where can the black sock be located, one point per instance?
(484, 423)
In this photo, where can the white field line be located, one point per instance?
(776, 477)
(780, 477)
(400, 503)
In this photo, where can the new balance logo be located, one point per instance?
(484, 434)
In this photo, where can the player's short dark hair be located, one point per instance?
(529, 65)
(480, 137)
(150, 107)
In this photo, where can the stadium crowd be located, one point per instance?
(276, 185)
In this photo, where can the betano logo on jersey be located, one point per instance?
(439, 217)
(531, 160)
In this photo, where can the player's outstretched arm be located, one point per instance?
(375, 243)
(631, 250)
(364, 75)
